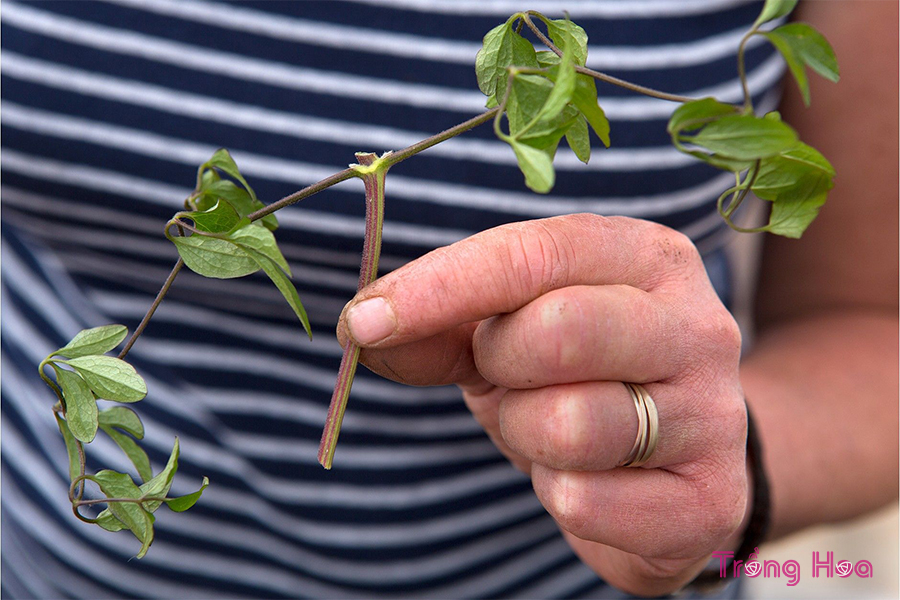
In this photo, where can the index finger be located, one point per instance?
(502, 269)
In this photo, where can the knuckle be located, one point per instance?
(568, 436)
(709, 343)
(672, 253)
(557, 330)
(563, 499)
(719, 332)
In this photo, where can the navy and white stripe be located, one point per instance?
(108, 109)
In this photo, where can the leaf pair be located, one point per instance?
(94, 375)
(228, 245)
(546, 99)
(800, 45)
(137, 516)
(791, 174)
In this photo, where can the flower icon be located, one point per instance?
(753, 568)
(844, 568)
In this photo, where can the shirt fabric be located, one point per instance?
(108, 110)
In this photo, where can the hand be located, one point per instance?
(539, 323)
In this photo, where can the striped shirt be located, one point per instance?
(108, 109)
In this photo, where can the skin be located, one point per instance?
(539, 322)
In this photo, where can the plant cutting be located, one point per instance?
(535, 99)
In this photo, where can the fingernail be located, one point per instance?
(371, 321)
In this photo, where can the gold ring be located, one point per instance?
(648, 426)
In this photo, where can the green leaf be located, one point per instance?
(159, 485)
(547, 135)
(585, 100)
(794, 62)
(284, 285)
(502, 47)
(227, 190)
(547, 126)
(213, 257)
(743, 137)
(135, 518)
(563, 88)
(547, 59)
(135, 453)
(183, 503)
(220, 218)
(528, 96)
(536, 165)
(109, 522)
(567, 35)
(797, 182)
(260, 239)
(124, 418)
(110, 378)
(791, 217)
(578, 139)
(71, 448)
(800, 171)
(93, 341)
(238, 198)
(813, 48)
(222, 160)
(774, 9)
(81, 407)
(802, 46)
(695, 114)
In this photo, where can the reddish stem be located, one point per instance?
(368, 272)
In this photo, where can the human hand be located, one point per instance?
(539, 323)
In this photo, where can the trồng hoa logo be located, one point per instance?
(790, 568)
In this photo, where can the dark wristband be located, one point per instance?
(760, 516)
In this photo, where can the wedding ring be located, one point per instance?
(648, 426)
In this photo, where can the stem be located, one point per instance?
(134, 500)
(159, 298)
(597, 74)
(454, 131)
(749, 181)
(82, 462)
(81, 517)
(735, 189)
(498, 131)
(633, 86)
(742, 71)
(740, 191)
(304, 193)
(368, 272)
(52, 384)
(389, 161)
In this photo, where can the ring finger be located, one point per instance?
(592, 426)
